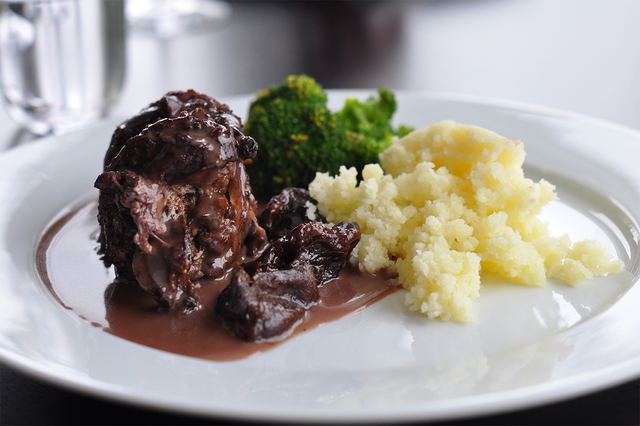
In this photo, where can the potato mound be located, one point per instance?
(454, 201)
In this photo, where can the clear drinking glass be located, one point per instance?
(62, 62)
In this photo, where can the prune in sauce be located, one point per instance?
(271, 295)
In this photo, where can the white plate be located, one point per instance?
(529, 346)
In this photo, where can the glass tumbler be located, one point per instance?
(62, 62)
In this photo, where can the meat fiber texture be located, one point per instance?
(175, 203)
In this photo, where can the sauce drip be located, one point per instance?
(127, 311)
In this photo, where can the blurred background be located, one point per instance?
(579, 55)
(576, 55)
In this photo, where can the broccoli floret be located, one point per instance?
(297, 136)
(367, 125)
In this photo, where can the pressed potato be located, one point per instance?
(447, 202)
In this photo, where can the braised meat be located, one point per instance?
(175, 207)
(267, 305)
(285, 211)
(326, 248)
(175, 203)
(272, 294)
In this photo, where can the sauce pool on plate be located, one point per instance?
(72, 271)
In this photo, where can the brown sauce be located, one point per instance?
(128, 312)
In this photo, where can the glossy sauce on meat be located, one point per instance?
(175, 205)
(129, 312)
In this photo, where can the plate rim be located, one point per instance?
(519, 398)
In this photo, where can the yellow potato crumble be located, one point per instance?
(452, 201)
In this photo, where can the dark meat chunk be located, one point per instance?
(268, 304)
(325, 248)
(285, 211)
(175, 202)
(272, 295)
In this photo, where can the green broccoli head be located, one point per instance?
(367, 127)
(297, 136)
